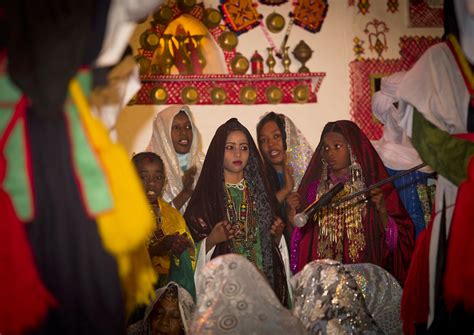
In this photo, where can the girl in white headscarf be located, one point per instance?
(177, 141)
(169, 313)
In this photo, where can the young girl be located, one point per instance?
(171, 246)
(176, 140)
(169, 313)
(232, 210)
(376, 231)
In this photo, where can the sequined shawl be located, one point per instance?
(186, 310)
(327, 300)
(161, 144)
(373, 170)
(382, 294)
(209, 198)
(234, 298)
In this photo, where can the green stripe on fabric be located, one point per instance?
(9, 92)
(85, 81)
(5, 116)
(17, 183)
(91, 175)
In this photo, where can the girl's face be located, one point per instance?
(166, 318)
(181, 133)
(236, 156)
(271, 143)
(153, 178)
(336, 153)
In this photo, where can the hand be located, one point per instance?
(376, 196)
(181, 243)
(288, 179)
(188, 178)
(221, 232)
(277, 229)
(163, 247)
(293, 202)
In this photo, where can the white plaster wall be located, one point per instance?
(332, 53)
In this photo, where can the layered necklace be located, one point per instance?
(343, 221)
(242, 218)
(238, 219)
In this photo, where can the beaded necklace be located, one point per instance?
(240, 220)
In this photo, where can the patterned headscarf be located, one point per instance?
(161, 144)
(298, 149)
(185, 304)
(382, 294)
(328, 300)
(234, 298)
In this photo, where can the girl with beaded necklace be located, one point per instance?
(232, 209)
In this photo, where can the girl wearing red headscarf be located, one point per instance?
(376, 230)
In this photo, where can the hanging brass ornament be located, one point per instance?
(218, 95)
(239, 64)
(163, 15)
(212, 18)
(228, 40)
(302, 53)
(186, 5)
(275, 22)
(248, 95)
(190, 95)
(273, 94)
(159, 95)
(301, 94)
(149, 40)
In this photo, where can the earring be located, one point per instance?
(355, 168)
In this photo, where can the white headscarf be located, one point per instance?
(394, 148)
(162, 145)
(233, 297)
(186, 309)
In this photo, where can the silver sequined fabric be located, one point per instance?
(298, 150)
(382, 294)
(328, 301)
